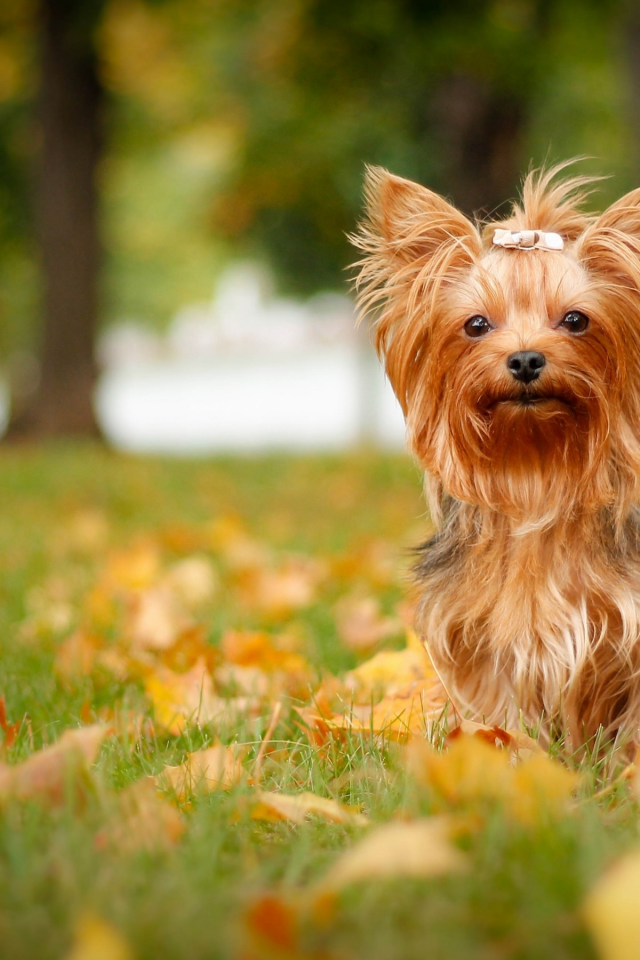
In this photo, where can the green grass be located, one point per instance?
(520, 896)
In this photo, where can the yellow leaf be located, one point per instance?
(95, 939)
(472, 770)
(297, 807)
(179, 698)
(541, 785)
(611, 910)
(417, 848)
(390, 671)
(135, 568)
(216, 768)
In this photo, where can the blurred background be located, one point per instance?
(177, 179)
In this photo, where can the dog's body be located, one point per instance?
(518, 369)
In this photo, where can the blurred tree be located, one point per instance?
(436, 91)
(66, 205)
(444, 93)
(242, 127)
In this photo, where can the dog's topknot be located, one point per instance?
(549, 203)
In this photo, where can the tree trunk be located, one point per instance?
(479, 130)
(67, 219)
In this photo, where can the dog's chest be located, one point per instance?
(521, 617)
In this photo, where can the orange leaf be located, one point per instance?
(11, 730)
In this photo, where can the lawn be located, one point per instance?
(161, 609)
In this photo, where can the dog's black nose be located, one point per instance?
(525, 365)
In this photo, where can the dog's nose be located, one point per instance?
(525, 365)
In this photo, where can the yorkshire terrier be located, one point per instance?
(514, 351)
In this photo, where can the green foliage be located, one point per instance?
(241, 127)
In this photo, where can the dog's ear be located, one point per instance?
(412, 223)
(611, 244)
(413, 241)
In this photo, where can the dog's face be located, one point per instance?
(518, 370)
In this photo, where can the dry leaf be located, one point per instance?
(87, 531)
(611, 911)
(142, 821)
(391, 671)
(277, 593)
(193, 581)
(95, 939)
(361, 625)
(417, 848)
(229, 538)
(11, 730)
(472, 771)
(156, 619)
(216, 768)
(76, 656)
(179, 698)
(47, 773)
(134, 569)
(519, 744)
(297, 807)
(270, 930)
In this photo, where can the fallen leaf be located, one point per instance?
(95, 939)
(297, 807)
(134, 569)
(11, 730)
(48, 773)
(229, 538)
(179, 698)
(391, 671)
(76, 656)
(473, 770)
(262, 665)
(143, 820)
(156, 619)
(193, 581)
(361, 625)
(611, 910)
(278, 592)
(216, 768)
(417, 848)
(519, 744)
(270, 930)
(87, 531)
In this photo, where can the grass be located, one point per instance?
(522, 893)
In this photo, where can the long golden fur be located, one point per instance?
(530, 587)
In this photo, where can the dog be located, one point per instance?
(514, 351)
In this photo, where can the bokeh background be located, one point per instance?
(177, 179)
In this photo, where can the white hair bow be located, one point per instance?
(528, 240)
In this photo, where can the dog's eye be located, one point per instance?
(575, 322)
(477, 327)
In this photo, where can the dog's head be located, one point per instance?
(518, 368)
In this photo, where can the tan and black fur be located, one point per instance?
(530, 587)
